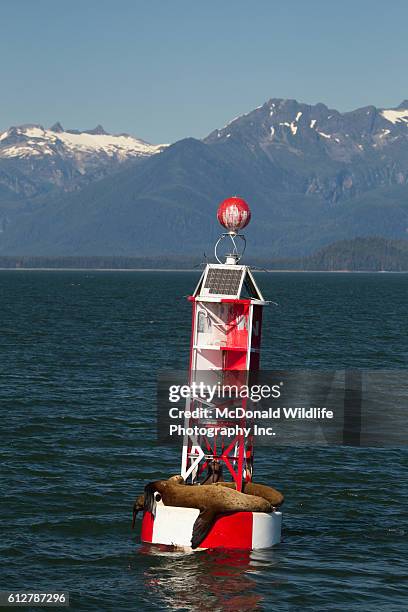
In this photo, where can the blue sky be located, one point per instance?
(166, 69)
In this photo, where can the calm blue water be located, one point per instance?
(79, 356)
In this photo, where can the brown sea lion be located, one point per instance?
(140, 500)
(214, 473)
(211, 500)
(273, 496)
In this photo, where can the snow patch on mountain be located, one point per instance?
(292, 126)
(324, 134)
(395, 116)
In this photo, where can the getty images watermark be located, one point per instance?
(203, 407)
(299, 407)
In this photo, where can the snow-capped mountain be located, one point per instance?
(289, 122)
(312, 175)
(322, 151)
(34, 159)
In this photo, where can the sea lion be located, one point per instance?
(177, 478)
(210, 499)
(214, 472)
(140, 500)
(273, 496)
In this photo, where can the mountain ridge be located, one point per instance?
(35, 160)
(316, 135)
(312, 175)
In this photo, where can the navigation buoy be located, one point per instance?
(225, 346)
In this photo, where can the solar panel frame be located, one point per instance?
(222, 280)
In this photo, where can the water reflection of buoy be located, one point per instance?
(224, 579)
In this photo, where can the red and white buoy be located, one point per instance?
(225, 346)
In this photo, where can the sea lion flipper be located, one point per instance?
(202, 526)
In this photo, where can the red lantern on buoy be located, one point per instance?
(234, 214)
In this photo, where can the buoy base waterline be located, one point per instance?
(173, 526)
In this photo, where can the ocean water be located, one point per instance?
(79, 354)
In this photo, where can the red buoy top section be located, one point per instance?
(234, 214)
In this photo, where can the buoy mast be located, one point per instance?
(225, 348)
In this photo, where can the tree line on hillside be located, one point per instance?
(372, 254)
(360, 254)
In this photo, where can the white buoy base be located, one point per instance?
(173, 526)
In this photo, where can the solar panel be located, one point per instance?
(221, 281)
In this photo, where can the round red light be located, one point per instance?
(234, 214)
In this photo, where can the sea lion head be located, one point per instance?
(178, 479)
(137, 507)
(139, 504)
(217, 469)
(153, 493)
(214, 472)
